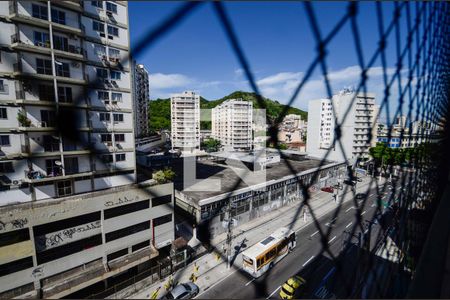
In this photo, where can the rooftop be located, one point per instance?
(229, 179)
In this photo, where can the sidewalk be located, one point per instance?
(211, 269)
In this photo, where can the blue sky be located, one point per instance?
(276, 38)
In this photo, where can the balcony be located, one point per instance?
(17, 17)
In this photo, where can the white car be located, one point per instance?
(186, 290)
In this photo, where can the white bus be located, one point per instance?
(262, 256)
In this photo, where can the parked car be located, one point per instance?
(327, 189)
(293, 288)
(186, 290)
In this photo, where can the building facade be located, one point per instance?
(356, 114)
(232, 124)
(185, 114)
(292, 130)
(141, 92)
(68, 200)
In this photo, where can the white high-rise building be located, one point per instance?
(71, 214)
(232, 124)
(185, 114)
(358, 131)
(140, 101)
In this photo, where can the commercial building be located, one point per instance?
(70, 212)
(231, 124)
(245, 200)
(141, 93)
(292, 132)
(356, 114)
(185, 114)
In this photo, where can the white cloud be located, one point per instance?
(160, 81)
(280, 78)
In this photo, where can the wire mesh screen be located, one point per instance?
(375, 253)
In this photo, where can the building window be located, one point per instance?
(98, 26)
(105, 117)
(114, 53)
(44, 66)
(115, 75)
(100, 50)
(58, 16)
(64, 188)
(161, 200)
(126, 209)
(3, 113)
(48, 118)
(117, 254)
(140, 245)
(3, 86)
(60, 43)
(16, 266)
(62, 69)
(71, 165)
(105, 138)
(51, 143)
(6, 167)
(102, 95)
(116, 97)
(46, 93)
(118, 117)
(120, 157)
(52, 168)
(98, 4)
(119, 137)
(107, 158)
(113, 30)
(162, 220)
(114, 235)
(111, 7)
(41, 39)
(39, 11)
(65, 94)
(4, 140)
(102, 73)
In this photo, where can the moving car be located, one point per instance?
(360, 196)
(186, 290)
(293, 287)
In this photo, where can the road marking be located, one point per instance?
(274, 292)
(250, 281)
(366, 231)
(372, 205)
(308, 261)
(349, 209)
(349, 224)
(314, 233)
(217, 282)
(363, 213)
(371, 195)
(331, 239)
(360, 201)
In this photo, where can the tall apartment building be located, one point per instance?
(71, 214)
(358, 132)
(185, 114)
(232, 124)
(141, 94)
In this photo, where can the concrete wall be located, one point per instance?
(28, 216)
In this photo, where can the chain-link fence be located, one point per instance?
(398, 228)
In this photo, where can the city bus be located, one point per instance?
(262, 256)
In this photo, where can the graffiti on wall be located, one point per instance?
(13, 224)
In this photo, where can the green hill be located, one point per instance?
(160, 109)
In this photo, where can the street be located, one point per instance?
(308, 259)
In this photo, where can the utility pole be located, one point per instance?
(229, 233)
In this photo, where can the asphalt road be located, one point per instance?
(308, 258)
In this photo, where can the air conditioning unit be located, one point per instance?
(107, 81)
(16, 183)
(114, 102)
(102, 34)
(119, 146)
(110, 37)
(109, 144)
(106, 101)
(109, 13)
